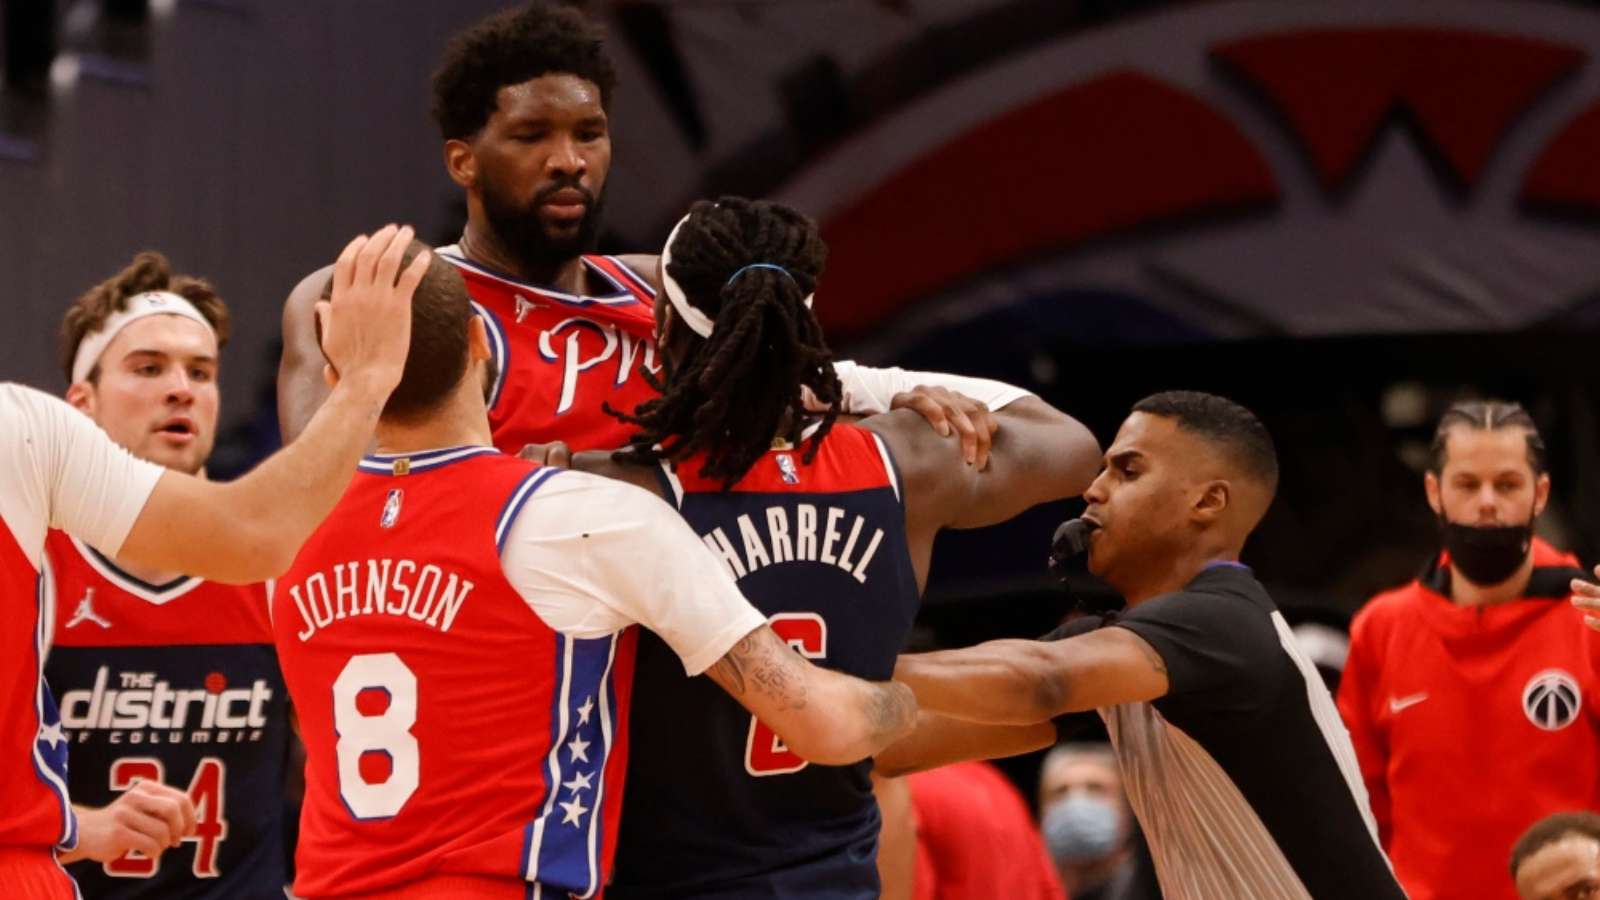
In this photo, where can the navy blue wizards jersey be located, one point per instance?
(176, 683)
(717, 806)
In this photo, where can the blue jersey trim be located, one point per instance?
(383, 464)
(499, 350)
(49, 745)
(514, 503)
(620, 299)
(632, 277)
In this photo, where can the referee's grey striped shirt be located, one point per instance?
(1242, 776)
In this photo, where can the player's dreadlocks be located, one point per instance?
(730, 393)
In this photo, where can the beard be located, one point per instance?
(523, 234)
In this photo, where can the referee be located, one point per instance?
(1232, 753)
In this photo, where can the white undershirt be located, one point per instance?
(59, 470)
(592, 556)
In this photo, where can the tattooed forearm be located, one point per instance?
(728, 671)
(891, 709)
(762, 661)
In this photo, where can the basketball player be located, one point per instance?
(160, 677)
(58, 470)
(1232, 753)
(472, 614)
(521, 100)
(829, 530)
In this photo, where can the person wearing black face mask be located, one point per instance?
(1467, 692)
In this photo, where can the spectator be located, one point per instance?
(975, 839)
(1085, 819)
(1559, 858)
(1469, 692)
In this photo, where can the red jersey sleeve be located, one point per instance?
(1359, 695)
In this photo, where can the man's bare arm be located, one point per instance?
(940, 740)
(825, 717)
(1020, 682)
(1038, 454)
(301, 388)
(250, 529)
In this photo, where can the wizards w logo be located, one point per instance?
(1551, 700)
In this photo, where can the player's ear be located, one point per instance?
(461, 163)
(1212, 501)
(1541, 492)
(478, 340)
(81, 397)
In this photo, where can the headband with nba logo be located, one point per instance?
(140, 306)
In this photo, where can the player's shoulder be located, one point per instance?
(1387, 607)
(598, 496)
(19, 399)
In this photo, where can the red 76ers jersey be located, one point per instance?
(561, 356)
(453, 739)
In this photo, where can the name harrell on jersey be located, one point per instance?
(142, 708)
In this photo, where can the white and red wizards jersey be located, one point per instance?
(177, 683)
(561, 356)
(456, 744)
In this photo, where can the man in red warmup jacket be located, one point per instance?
(1469, 693)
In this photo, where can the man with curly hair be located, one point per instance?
(522, 100)
(198, 710)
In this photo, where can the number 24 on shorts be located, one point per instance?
(764, 752)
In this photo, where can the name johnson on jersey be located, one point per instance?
(422, 592)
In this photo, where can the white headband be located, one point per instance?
(151, 303)
(699, 322)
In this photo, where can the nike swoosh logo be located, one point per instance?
(1399, 704)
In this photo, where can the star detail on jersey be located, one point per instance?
(51, 734)
(579, 782)
(579, 748)
(575, 810)
(585, 710)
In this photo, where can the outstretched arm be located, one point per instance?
(1021, 682)
(940, 741)
(301, 388)
(1038, 454)
(243, 531)
(250, 529)
(595, 555)
(825, 717)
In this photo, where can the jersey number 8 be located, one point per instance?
(764, 752)
(387, 732)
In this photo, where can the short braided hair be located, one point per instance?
(733, 391)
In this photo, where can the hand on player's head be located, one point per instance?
(149, 817)
(366, 325)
